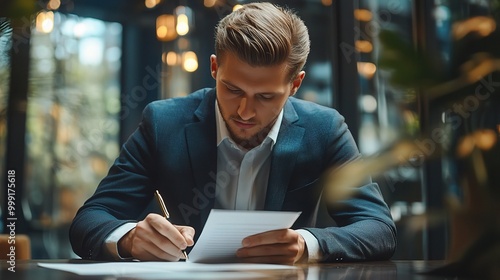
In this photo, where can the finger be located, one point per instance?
(149, 251)
(146, 256)
(287, 250)
(165, 228)
(270, 237)
(150, 240)
(188, 233)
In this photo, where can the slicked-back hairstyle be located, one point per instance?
(262, 34)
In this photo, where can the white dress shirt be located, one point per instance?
(242, 182)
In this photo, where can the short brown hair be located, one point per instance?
(262, 34)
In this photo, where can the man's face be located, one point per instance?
(251, 98)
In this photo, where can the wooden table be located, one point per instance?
(385, 270)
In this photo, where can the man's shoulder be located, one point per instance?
(305, 108)
(180, 110)
(189, 102)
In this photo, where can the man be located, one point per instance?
(247, 145)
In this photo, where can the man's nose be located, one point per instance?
(246, 109)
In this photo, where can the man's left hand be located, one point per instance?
(284, 246)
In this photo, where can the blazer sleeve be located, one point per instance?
(121, 196)
(364, 227)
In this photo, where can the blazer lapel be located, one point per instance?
(202, 148)
(283, 158)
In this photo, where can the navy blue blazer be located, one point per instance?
(174, 150)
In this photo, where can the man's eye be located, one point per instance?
(266, 96)
(234, 90)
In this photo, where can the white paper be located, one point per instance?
(225, 230)
(172, 270)
(218, 242)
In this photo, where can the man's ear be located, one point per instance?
(213, 66)
(297, 82)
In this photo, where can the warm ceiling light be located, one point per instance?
(367, 69)
(170, 59)
(165, 28)
(54, 4)
(326, 2)
(465, 146)
(236, 7)
(209, 3)
(184, 20)
(182, 26)
(190, 61)
(481, 25)
(363, 15)
(45, 22)
(364, 46)
(485, 139)
(151, 3)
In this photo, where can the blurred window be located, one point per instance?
(72, 121)
(388, 114)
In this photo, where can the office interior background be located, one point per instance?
(76, 74)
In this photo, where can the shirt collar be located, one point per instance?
(223, 133)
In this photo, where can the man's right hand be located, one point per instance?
(155, 238)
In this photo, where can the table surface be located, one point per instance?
(361, 270)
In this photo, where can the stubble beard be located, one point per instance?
(252, 141)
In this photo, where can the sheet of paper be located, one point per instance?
(225, 229)
(172, 270)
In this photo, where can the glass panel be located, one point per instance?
(391, 109)
(466, 108)
(389, 114)
(379, 101)
(318, 17)
(72, 121)
(460, 114)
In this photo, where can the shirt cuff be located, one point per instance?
(111, 241)
(314, 251)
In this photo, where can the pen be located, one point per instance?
(166, 214)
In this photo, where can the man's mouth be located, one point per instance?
(243, 124)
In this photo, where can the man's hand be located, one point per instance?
(155, 238)
(284, 246)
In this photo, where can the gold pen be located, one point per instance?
(165, 212)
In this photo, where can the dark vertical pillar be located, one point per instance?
(140, 74)
(435, 241)
(16, 125)
(344, 65)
